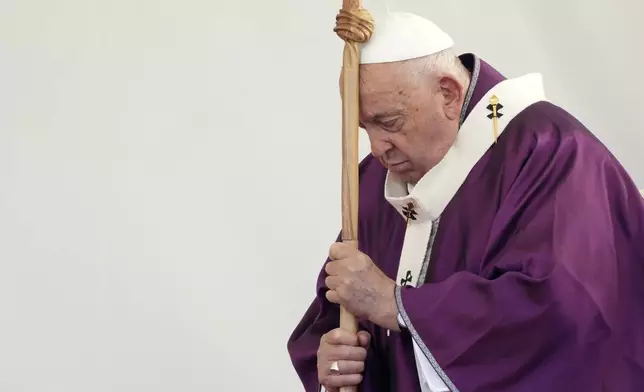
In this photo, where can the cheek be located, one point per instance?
(409, 140)
(427, 131)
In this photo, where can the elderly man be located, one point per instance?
(501, 244)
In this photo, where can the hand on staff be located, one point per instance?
(349, 351)
(356, 283)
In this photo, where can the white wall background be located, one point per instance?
(136, 137)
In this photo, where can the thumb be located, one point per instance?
(340, 250)
(364, 338)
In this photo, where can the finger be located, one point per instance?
(332, 282)
(333, 297)
(332, 268)
(350, 367)
(346, 353)
(341, 380)
(364, 338)
(340, 337)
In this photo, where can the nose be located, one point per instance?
(379, 144)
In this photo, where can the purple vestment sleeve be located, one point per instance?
(551, 307)
(320, 318)
(323, 316)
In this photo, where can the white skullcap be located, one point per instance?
(401, 36)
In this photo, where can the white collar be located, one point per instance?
(430, 196)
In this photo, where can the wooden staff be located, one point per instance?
(355, 26)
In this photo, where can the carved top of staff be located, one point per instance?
(354, 25)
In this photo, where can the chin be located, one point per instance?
(410, 177)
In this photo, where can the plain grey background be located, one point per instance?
(171, 172)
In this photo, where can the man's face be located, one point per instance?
(411, 120)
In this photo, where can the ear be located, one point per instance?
(452, 93)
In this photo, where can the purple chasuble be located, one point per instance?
(536, 278)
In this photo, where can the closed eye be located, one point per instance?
(390, 123)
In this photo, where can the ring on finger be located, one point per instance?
(334, 367)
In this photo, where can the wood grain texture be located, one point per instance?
(350, 158)
(355, 26)
(350, 176)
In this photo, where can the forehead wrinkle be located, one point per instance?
(384, 103)
(380, 88)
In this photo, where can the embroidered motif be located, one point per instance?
(407, 279)
(495, 108)
(409, 212)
